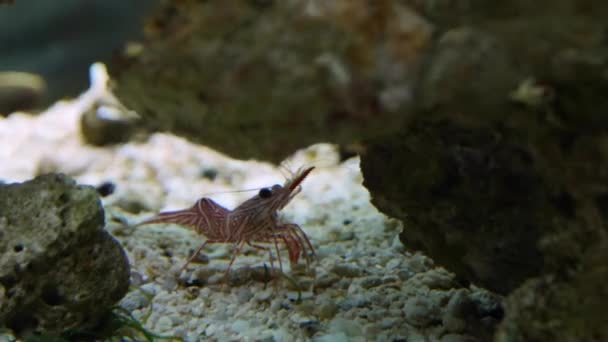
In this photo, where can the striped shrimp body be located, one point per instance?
(254, 222)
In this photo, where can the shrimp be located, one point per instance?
(253, 222)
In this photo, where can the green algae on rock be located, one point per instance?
(59, 270)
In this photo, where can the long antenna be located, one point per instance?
(230, 191)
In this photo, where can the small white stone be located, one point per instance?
(389, 322)
(210, 331)
(349, 327)
(164, 324)
(240, 326)
(275, 305)
(393, 263)
(337, 337)
(197, 311)
(243, 295)
(263, 296)
(279, 335)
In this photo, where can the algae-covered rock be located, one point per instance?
(556, 309)
(472, 202)
(262, 79)
(499, 172)
(59, 270)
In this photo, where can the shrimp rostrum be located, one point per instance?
(254, 222)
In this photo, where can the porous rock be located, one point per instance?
(240, 76)
(59, 269)
(499, 172)
(561, 308)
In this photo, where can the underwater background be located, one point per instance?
(458, 190)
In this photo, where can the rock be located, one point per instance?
(340, 71)
(496, 178)
(107, 121)
(460, 56)
(59, 269)
(571, 308)
(499, 171)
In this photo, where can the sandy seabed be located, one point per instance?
(363, 285)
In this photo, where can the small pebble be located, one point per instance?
(390, 279)
(210, 330)
(169, 283)
(346, 326)
(137, 279)
(346, 236)
(337, 337)
(106, 189)
(164, 324)
(263, 295)
(294, 296)
(393, 263)
(310, 327)
(197, 311)
(150, 288)
(209, 173)
(420, 263)
(243, 295)
(240, 326)
(420, 311)
(405, 274)
(389, 322)
(306, 308)
(134, 300)
(276, 305)
(327, 310)
(370, 282)
(326, 280)
(436, 279)
(346, 270)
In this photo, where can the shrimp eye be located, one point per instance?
(265, 193)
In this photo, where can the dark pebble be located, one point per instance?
(106, 189)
